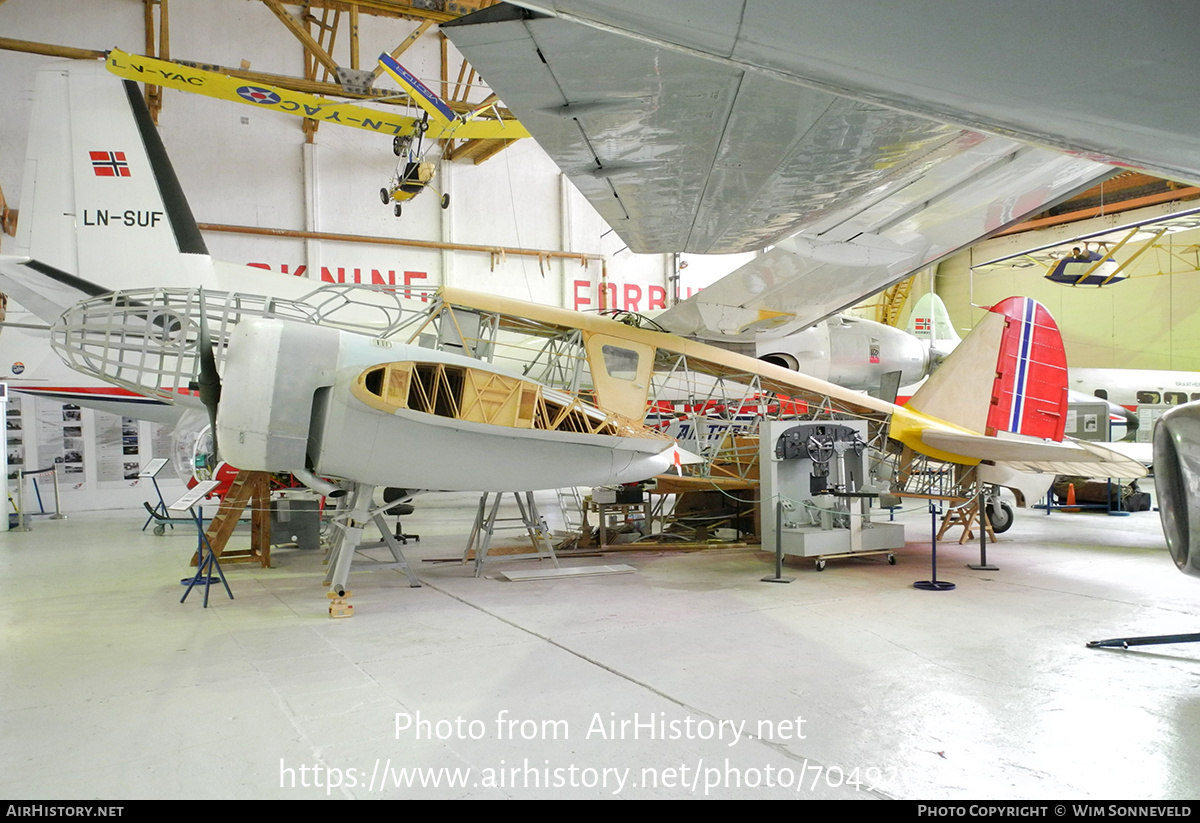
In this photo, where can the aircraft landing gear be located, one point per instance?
(385, 196)
(445, 201)
(1001, 517)
(397, 210)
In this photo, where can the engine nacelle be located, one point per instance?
(849, 351)
(1177, 479)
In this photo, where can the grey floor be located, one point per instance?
(848, 682)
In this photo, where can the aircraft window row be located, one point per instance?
(1171, 398)
(480, 396)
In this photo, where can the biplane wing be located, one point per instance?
(211, 83)
(682, 152)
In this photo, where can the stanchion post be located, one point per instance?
(778, 578)
(58, 515)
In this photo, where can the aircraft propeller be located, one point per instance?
(208, 380)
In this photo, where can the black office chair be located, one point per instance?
(400, 497)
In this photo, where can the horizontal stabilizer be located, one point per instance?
(1070, 457)
(44, 290)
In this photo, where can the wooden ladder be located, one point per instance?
(965, 516)
(248, 488)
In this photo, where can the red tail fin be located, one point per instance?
(1010, 374)
(1030, 392)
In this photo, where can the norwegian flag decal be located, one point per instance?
(923, 324)
(109, 163)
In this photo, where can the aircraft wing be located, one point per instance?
(200, 80)
(680, 152)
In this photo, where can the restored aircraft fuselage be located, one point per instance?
(300, 396)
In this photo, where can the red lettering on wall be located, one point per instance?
(656, 298)
(633, 297)
(409, 277)
(580, 300)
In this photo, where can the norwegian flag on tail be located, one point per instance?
(109, 163)
(1030, 392)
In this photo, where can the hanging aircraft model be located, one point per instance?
(415, 169)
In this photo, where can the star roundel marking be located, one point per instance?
(254, 94)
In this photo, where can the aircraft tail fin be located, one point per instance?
(930, 323)
(100, 202)
(1009, 375)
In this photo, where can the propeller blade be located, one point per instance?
(209, 379)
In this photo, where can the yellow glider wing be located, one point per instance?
(224, 87)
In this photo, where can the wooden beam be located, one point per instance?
(354, 37)
(1188, 193)
(462, 71)
(50, 50)
(153, 93)
(403, 47)
(387, 8)
(479, 150)
(8, 217)
(301, 32)
(445, 68)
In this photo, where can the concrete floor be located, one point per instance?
(110, 688)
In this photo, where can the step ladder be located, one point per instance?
(965, 515)
(249, 488)
(570, 504)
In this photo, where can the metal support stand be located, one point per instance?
(348, 540)
(485, 528)
(207, 563)
(206, 558)
(933, 584)
(778, 578)
(158, 512)
(982, 565)
(1120, 512)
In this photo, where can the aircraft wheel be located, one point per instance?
(820, 565)
(396, 211)
(445, 201)
(385, 196)
(1001, 520)
(891, 559)
(397, 146)
(159, 529)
